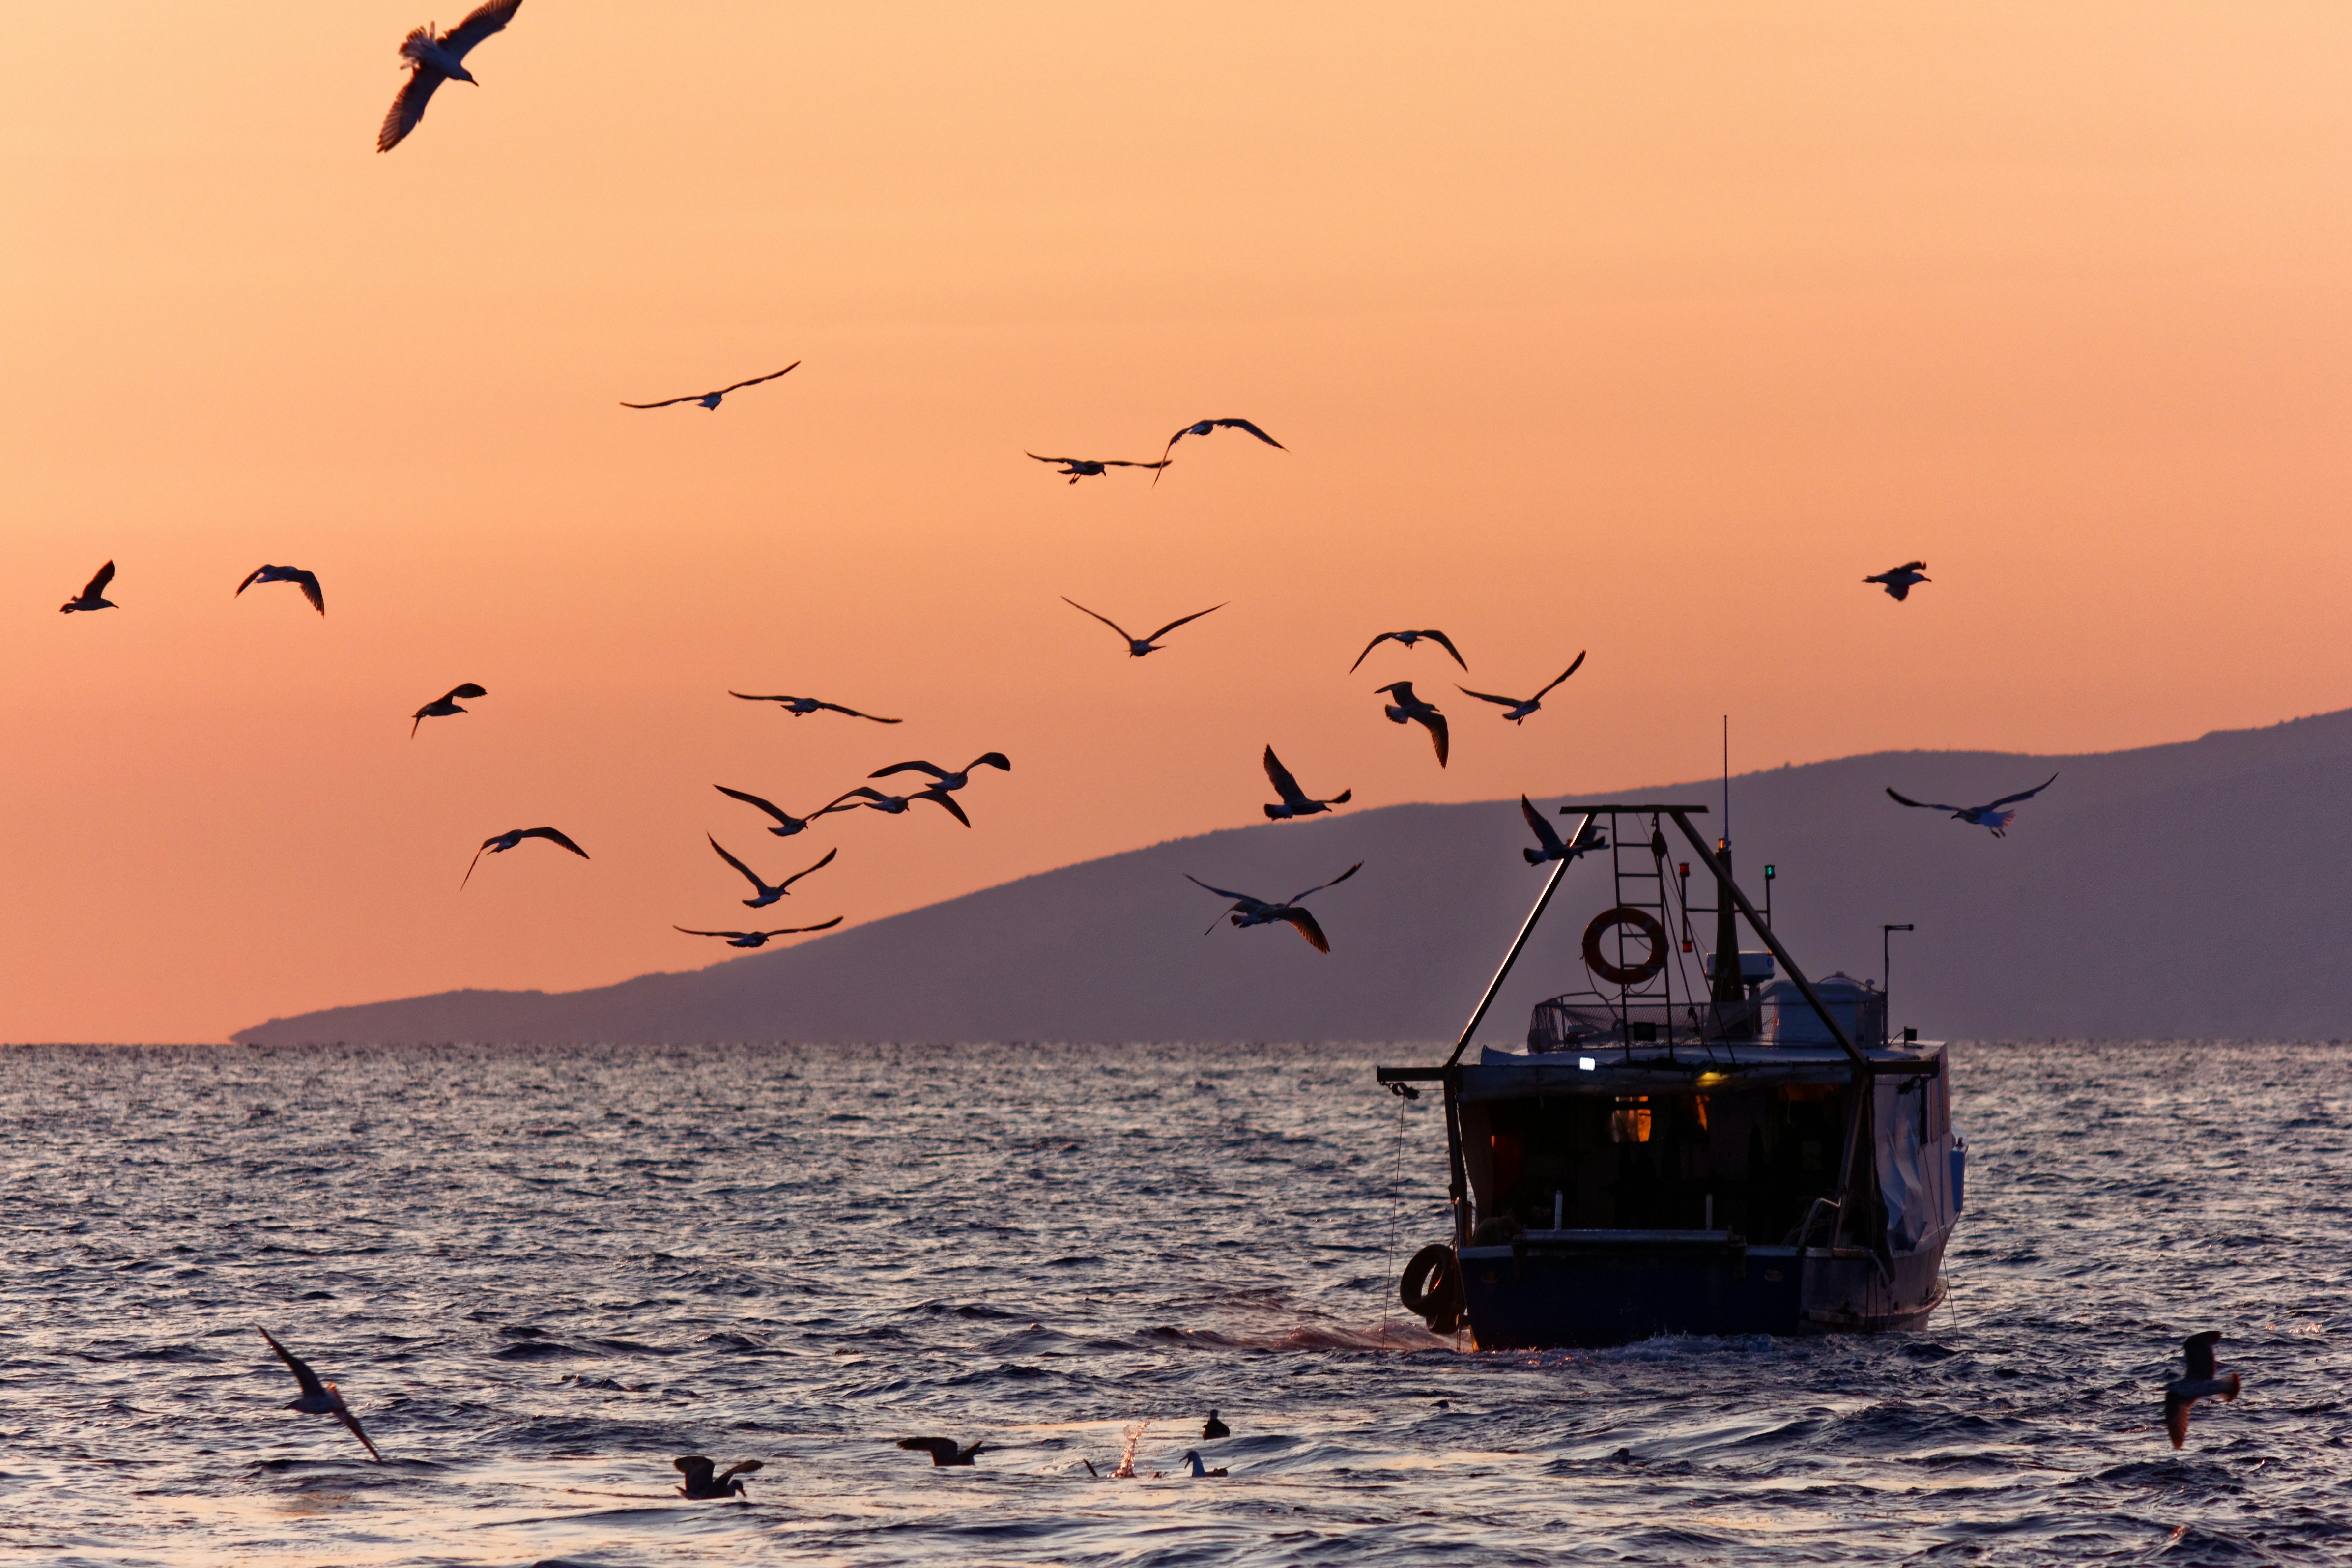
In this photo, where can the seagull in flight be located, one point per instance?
(896, 805)
(1989, 816)
(1079, 468)
(768, 896)
(760, 938)
(1522, 706)
(2200, 1382)
(943, 1450)
(92, 596)
(444, 705)
(436, 58)
(800, 707)
(1294, 800)
(500, 843)
(1249, 911)
(288, 574)
(1210, 427)
(710, 398)
(321, 1399)
(1409, 639)
(1897, 581)
(788, 824)
(1411, 709)
(1548, 839)
(1138, 646)
(701, 1484)
(946, 780)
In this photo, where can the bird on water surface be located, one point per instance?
(1250, 911)
(759, 938)
(1078, 468)
(500, 843)
(701, 1484)
(1551, 848)
(943, 1450)
(710, 398)
(1213, 1428)
(1408, 639)
(295, 574)
(1899, 580)
(1411, 709)
(1522, 708)
(767, 895)
(800, 707)
(2202, 1381)
(444, 705)
(788, 824)
(318, 1398)
(1988, 816)
(1294, 800)
(1138, 646)
(436, 58)
(1200, 1471)
(93, 595)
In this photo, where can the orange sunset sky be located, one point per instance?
(1646, 329)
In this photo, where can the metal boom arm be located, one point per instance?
(1551, 885)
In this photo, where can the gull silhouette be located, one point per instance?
(701, 1484)
(896, 805)
(1409, 639)
(1550, 847)
(1989, 816)
(1897, 580)
(93, 596)
(1521, 707)
(1210, 427)
(1213, 1428)
(1138, 646)
(943, 1450)
(444, 705)
(436, 58)
(800, 707)
(288, 574)
(1411, 709)
(768, 896)
(759, 938)
(710, 398)
(946, 780)
(787, 824)
(1079, 468)
(500, 843)
(1294, 800)
(1250, 911)
(318, 1398)
(2200, 1382)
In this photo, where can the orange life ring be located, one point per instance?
(1641, 920)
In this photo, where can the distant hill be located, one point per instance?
(2187, 891)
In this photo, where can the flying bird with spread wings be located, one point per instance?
(2202, 1381)
(800, 707)
(1250, 910)
(896, 805)
(1295, 802)
(318, 1398)
(436, 58)
(1521, 708)
(943, 1450)
(766, 894)
(788, 824)
(1210, 427)
(1898, 580)
(701, 1484)
(1138, 646)
(710, 398)
(1408, 639)
(760, 938)
(945, 781)
(444, 705)
(1548, 843)
(1985, 816)
(93, 595)
(1077, 469)
(308, 581)
(500, 843)
(1411, 709)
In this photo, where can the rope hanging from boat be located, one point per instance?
(1643, 923)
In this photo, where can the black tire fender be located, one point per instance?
(1431, 1288)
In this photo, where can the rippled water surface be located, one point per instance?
(538, 1274)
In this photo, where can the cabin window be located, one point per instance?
(1630, 1122)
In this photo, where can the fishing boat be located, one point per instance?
(1700, 1140)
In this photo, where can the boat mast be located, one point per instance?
(1730, 985)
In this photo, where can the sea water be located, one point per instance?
(538, 1274)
